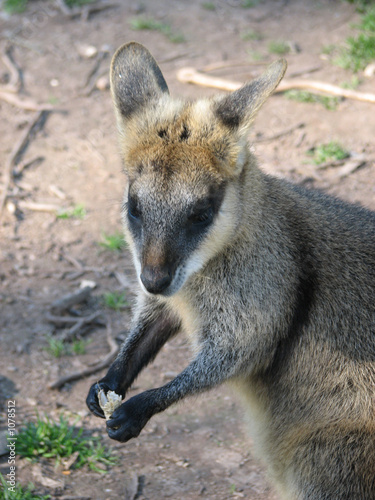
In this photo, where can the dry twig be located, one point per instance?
(230, 64)
(38, 207)
(85, 11)
(82, 321)
(25, 164)
(35, 124)
(191, 75)
(24, 103)
(95, 73)
(89, 370)
(71, 299)
(15, 80)
(281, 134)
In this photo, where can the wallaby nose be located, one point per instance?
(156, 279)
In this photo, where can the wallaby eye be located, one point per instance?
(133, 210)
(201, 217)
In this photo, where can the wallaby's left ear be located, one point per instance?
(136, 79)
(237, 110)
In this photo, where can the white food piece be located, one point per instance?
(109, 402)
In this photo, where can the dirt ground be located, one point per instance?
(199, 448)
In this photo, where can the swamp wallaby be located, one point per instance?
(272, 283)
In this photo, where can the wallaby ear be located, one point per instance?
(136, 79)
(237, 110)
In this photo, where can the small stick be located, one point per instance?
(72, 260)
(91, 85)
(94, 71)
(25, 45)
(26, 164)
(69, 320)
(328, 88)
(85, 11)
(191, 75)
(57, 192)
(16, 154)
(62, 320)
(71, 299)
(338, 163)
(281, 134)
(15, 81)
(303, 71)
(89, 370)
(230, 64)
(38, 207)
(69, 497)
(82, 321)
(348, 168)
(27, 104)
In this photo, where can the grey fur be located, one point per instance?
(276, 294)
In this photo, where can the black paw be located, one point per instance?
(129, 419)
(92, 398)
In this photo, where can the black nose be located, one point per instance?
(156, 279)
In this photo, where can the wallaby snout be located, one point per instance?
(156, 279)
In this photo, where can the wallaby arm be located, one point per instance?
(207, 370)
(152, 328)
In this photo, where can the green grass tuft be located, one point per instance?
(360, 49)
(352, 84)
(14, 6)
(248, 4)
(20, 492)
(78, 3)
(251, 35)
(78, 346)
(361, 5)
(208, 6)
(48, 439)
(328, 152)
(115, 300)
(19, 6)
(113, 242)
(56, 347)
(278, 47)
(76, 212)
(328, 102)
(143, 23)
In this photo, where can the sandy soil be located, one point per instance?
(199, 448)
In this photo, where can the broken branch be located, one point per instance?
(38, 207)
(70, 334)
(27, 104)
(71, 299)
(191, 75)
(281, 134)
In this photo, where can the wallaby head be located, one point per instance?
(183, 161)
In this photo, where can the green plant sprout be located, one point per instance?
(328, 152)
(48, 439)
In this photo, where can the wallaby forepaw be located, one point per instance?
(92, 398)
(128, 420)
